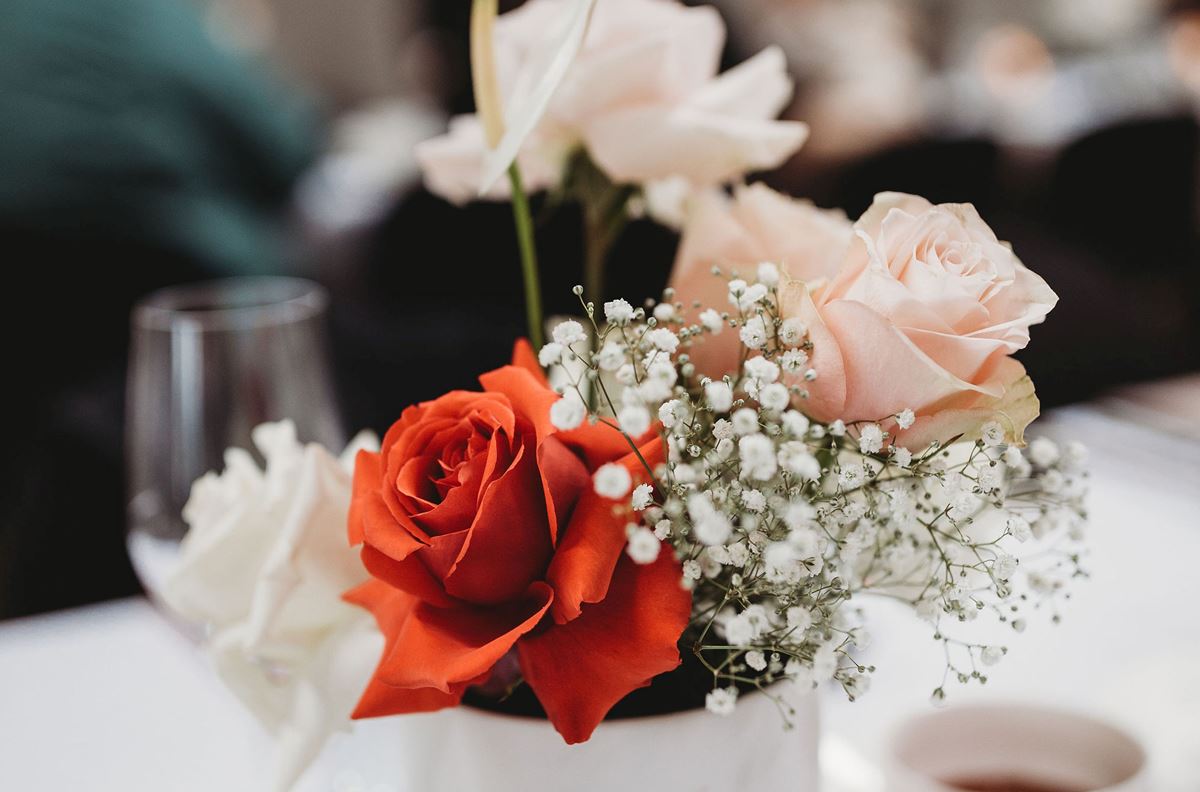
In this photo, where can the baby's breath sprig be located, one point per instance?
(781, 522)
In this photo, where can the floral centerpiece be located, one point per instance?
(691, 493)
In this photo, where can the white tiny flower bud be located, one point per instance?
(990, 478)
(901, 456)
(745, 421)
(684, 473)
(774, 397)
(1043, 452)
(611, 356)
(618, 312)
(654, 390)
(795, 423)
(838, 428)
(643, 546)
(719, 396)
(756, 660)
(928, 610)
(569, 332)
(798, 619)
(792, 332)
(662, 529)
(1005, 567)
(643, 496)
(870, 439)
(718, 554)
(664, 312)
(762, 370)
(745, 296)
(795, 458)
(712, 321)
(754, 333)
(905, 419)
(754, 500)
(737, 288)
(991, 655)
(663, 339)
(768, 274)
(793, 361)
(568, 412)
(851, 477)
(723, 429)
(992, 434)
(1019, 527)
(757, 455)
(721, 701)
(671, 413)
(1075, 454)
(825, 663)
(612, 481)
(634, 419)
(550, 354)
(713, 530)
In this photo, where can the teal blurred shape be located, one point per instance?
(125, 119)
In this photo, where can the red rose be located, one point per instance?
(482, 532)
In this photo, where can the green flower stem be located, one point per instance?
(605, 216)
(529, 265)
(595, 252)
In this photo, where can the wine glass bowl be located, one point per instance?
(209, 362)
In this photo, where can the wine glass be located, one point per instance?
(209, 362)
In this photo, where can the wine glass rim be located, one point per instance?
(231, 303)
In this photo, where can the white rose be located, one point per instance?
(264, 566)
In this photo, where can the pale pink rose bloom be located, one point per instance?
(923, 315)
(755, 225)
(642, 96)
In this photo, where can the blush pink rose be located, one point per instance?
(643, 97)
(755, 225)
(923, 314)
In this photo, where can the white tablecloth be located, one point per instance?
(112, 697)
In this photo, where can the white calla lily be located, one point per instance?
(634, 84)
(535, 86)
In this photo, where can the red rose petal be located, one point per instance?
(531, 398)
(524, 357)
(440, 647)
(443, 552)
(410, 575)
(579, 670)
(599, 443)
(369, 520)
(589, 548)
(457, 510)
(364, 490)
(391, 609)
(564, 479)
(508, 545)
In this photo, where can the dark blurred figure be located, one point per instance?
(135, 153)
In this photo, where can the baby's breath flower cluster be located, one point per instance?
(781, 522)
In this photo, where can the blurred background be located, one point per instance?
(145, 143)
